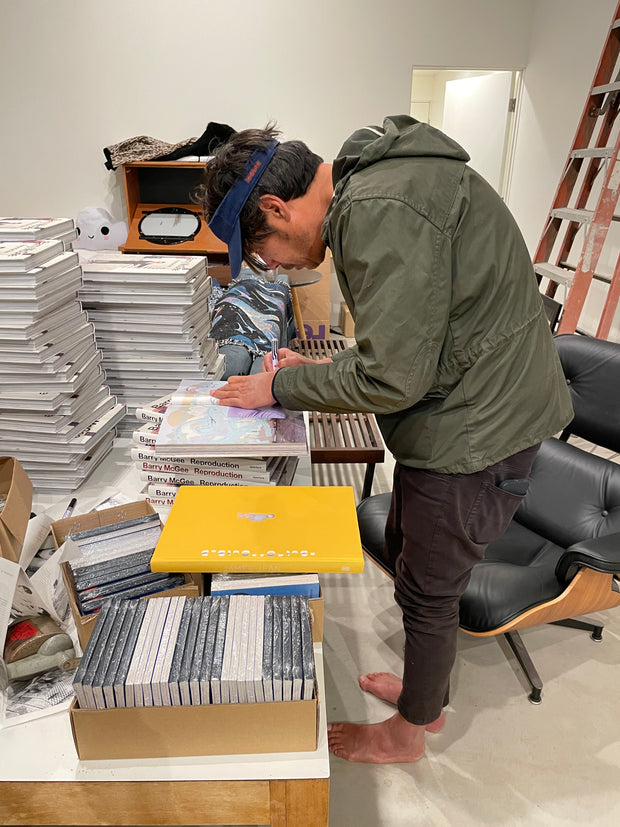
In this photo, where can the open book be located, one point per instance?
(195, 425)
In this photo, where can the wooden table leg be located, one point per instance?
(299, 803)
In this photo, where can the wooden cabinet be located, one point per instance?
(151, 185)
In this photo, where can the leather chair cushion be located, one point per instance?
(517, 573)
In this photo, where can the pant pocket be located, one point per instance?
(491, 513)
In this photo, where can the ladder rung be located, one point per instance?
(594, 152)
(554, 273)
(606, 87)
(569, 214)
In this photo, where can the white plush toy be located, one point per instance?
(98, 230)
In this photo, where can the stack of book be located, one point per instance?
(35, 229)
(180, 651)
(152, 321)
(56, 415)
(115, 561)
(216, 462)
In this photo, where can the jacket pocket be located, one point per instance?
(491, 513)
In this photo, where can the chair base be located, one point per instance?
(515, 642)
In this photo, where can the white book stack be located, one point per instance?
(35, 229)
(163, 475)
(182, 651)
(56, 414)
(152, 321)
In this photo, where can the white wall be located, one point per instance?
(567, 39)
(79, 75)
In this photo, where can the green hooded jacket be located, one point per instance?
(453, 351)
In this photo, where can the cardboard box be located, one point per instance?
(314, 300)
(214, 729)
(16, 489)
(174, 731)
(81, 522)
(345, 322)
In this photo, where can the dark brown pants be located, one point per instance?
(442, 524)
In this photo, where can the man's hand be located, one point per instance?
(289, 359)
(252, 391)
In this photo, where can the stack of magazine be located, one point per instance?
(56, 414)
(152, 321)
(177, 651)
(35, 229)
(246, 459)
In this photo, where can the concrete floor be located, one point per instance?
(500, 760)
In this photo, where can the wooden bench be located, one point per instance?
(341, 437)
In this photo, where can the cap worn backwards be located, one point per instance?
(225, 222)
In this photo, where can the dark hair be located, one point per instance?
(288, 175)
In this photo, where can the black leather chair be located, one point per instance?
(560, 557)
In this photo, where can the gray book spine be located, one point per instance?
(268, 649)
(298, 672)
(99, 660)
(113, 647)
(277, 649)
(307, 651)
(128, 651)
(98, 574)
(173, 679)
(218, 651)
(199, 650)
(287, 650)
(188, 652)
(257, 667)
(207, 661)
(85, 661)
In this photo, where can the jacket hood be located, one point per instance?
(399, 137)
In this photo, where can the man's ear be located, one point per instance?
(275, 208)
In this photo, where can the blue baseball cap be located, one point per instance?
(224, 222)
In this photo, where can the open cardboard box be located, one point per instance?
(16, 489)
(214, 729)
(81, 522)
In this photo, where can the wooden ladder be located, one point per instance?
(584, 202)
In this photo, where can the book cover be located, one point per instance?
(25, 255)
(33, 228)
(289, 529)
(265, 583)
(119, 678)
(194, 424)
(116, 266)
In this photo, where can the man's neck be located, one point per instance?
(326, 184)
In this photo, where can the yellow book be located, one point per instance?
(261, 528)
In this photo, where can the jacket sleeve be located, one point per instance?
(393, 266)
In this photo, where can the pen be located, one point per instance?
(274, 353)
(69, 509)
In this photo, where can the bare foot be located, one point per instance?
(383, 685)
(387, 687)
(393, 741)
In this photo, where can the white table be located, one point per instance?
(43, 782)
